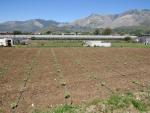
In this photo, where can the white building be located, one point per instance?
(6, 42)
(145, 39)
(96, 44)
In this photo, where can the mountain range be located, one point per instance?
(130, 18)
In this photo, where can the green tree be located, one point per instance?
(128, 39)
(137, 32)
(48, 32)
(107, 31)
(17, 32)
(76, 33)
(97, 32)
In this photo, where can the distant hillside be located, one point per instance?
(126, 19)
(28, 26)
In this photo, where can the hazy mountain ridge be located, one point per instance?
(126, 19)
(28, 26)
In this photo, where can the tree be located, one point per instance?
(27, 33)
(17, 32)
(97, 32)
(76, 33)
(107, 31)
(128, 39)
(137, 32)
(48, 32)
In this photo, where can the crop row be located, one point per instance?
(26, 79)
(62, 81)
(122, 77)
(81, 61)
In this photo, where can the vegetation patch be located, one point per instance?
(54, 43)
(130, 45)
(113, 104)
(118, 101)
(61, 109)
(4, 69)
(141, 106)
(14, 105)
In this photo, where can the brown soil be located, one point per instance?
(88, 73)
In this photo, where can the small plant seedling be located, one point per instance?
(94, 77)
(1, 111)
(125, 63)
(82, 67)
(135, 82)
(13, 105)
(67, 95)
(102, 83)
(25, 79)
(22, 89)
(58, 70)
(123, 74)
(1, 73)
(63, 83)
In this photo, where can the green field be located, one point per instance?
(130, 45)
(53, 43)
(116, 103)
(78, 43)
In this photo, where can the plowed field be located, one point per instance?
(45, 77)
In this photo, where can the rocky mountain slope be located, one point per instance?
(126, 19)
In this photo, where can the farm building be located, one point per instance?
(96, 44)
(22, 41)
(145, 39)
(69, 37)
(6, 42)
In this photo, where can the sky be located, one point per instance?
(64, 10)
